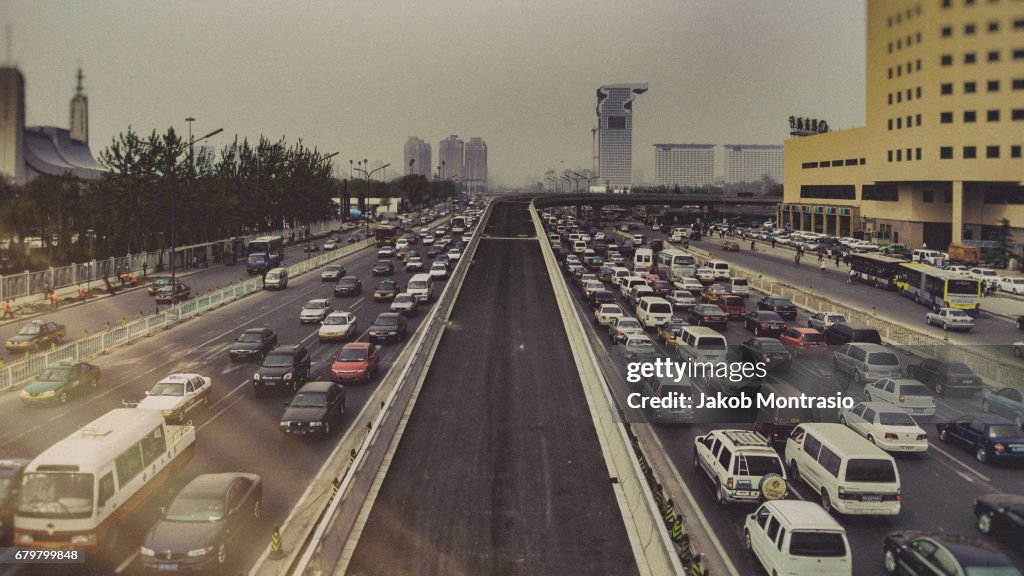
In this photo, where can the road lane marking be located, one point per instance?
(219, 412)
(128, 562)
(357, 303)
(959, 463)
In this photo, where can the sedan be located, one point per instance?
(414, 264)
(176, 395)
(783, 306)
(943, 377)
(605, 314)
(439, 270)
(348, 286)
(705, 275)
(252, 344)
(388, 327)
(454, 254)
(707, 315)
(59, 382)
(1011, 285)
(196, 531)
(332, 272)
(681, 299)
(713, 293)
(767, 350)
(764, 323)
(599, 297)
(314, 409)
(331, 245)
(990, 437)
(1007, 402)
(622, 326)
(950, 319)
(168, 295)
(885, 426)
(315, 310)
(916, 553)
(1002, 516)
(158, 284)
(692, 285)
(636, 346)
(355, 362)
(386, 291)
(904, 393)
(383, 268)
(404, 304)
(340, 325)
(822, 320)
(670, 331)
(803, 341)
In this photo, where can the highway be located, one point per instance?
(499, 470)
(237, 432)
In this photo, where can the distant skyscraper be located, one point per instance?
(615, 132)
(450, 156)
(12, 124)
(684, 164)
(80, 113)
(420, 153)
(476, 161)
(750, 162)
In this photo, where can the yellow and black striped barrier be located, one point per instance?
(276, 550)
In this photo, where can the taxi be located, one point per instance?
(713, 293)
(385, 291)
(169, 295)
(176, 395)
(58, 382)
(670, 331)
(158, 285)
(36, 335)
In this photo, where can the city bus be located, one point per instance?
(938, 288)
(875, 269)
(385, 234)
(459, 225)
(673, 265)
(264, 253)
(80, 491)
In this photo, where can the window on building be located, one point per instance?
(1018, 83)
(829, 191)
(1015, 151)
(890, 98)
(910, 94)
(970, 58)
(947, 60)
(917, 153)
(968, 2)
(970, 87)
(899, 71)
(970, 116)
(890, 73)
(910, 40)
(946, 118)
(890, 155)
(947, 31)
(1018, 24)
(880, 192)
(863, 161)
(910, 121)
(909, 157)
(899, 123)
(1018, 53)
(1004, 194)
(946, 152)
(1017, 114)
(890, 124)
(928, 196)
(899, 155)
(993, 55)
(918, 36)
(970, 152)
(969, 29)
(993, 26)
(947, 197)
(917, 92)
(993, 85)
(850, 162)
(918, 118)
(899, 97)
(946, 88)
(992, 115)
(807, 165)
(992, 152)
(890, 47)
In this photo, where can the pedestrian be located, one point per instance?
(837, 258)
(55, 300)
(81, 293)
(753, 247)
(821, 258)
(7, 309)
(773, 241)
(46, 290)
(145, 268)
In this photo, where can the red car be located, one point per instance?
(355, 362)
(803, 341)
(662, 288)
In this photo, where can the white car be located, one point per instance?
(599, 236)
(386, 252)
(959, 269)
(405, 304)
(1011, 285)
(705, 274)
(592, 286)
(690, 284)
(176, 395)
(330, 245)
(983, 274)
(338, 326)
(681, 299)
(906, 393)
(454, 254)
(428, 240)
(822, 320)
(623, 326)
(616, 258)
(606, 313)
(950, 319)
(414, 264)
(315, 310)
(886, 426)
(439, 270)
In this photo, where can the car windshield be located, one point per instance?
(168, 389)
(870, 470)
(195, 509)
(883, 359)
(769, 317)
(628, 323)
(54, 375)
(352, 355)
(250, 337)
(817, 544)
(915, 390)
(1004, 431)
(30, 330)
(739, 282)
(781, 302)
(277, 360)
(309, 400)
(333, 268)
(895, 419)
(403, 298)
(812, 337)
(958, 368)
(383, 264)
(347, 281)
(56, 495)
(336, 320)
(315, 304)
(772, 346)
(386, 321)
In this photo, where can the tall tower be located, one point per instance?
(476, 161)
(418, 152)
(615, 132)
(451, 156)
(80, 113)
(12, 124)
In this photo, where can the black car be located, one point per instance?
(284, 367)
(314, 409)
(598, 297)
(707, 315)
(943, 377)
(348, 286)
(252, 344)
(764, 323)
(767, 350)
(627, 248)
(388, 327)
(782, 306)
(433, 251)
(383, 268)
(332, 272)
(1002, 516)
(842, 333)
(197, 529)
(10, 481)
(921, 554)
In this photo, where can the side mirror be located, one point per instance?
(334, 358)
(287, 403)
(147, 392)
(163, 510)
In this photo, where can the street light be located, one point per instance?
(587, 178)
(191, 169)
(368, 175)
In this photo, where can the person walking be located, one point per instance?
(7, 309)
(145, 268)
(55, 299)
(773, 241)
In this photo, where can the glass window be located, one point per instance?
(817, 544)
(812, 446)
(1015, 151)
(128, 465)
(153, 446)
(993, 56)
(970, 116)
(946, 118)
(106, 490)
(970, 152)
(970, 87)
(946, 60)
(970, 58)
(946, 152)
(992, 152)
(993, 85)
(773, 529)
(870, 470)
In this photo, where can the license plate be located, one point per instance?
(871, 498)
(1017, 447)
(918, 410)
(967, 382)
(167, 567)
(743, 485)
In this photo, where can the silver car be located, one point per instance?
(822, 320)
(866, 362)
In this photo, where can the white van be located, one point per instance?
(850, 474)
(620, 273)
(653, 311)
(933, 257)
(799, 538)
(627, 283)
(643, 258)
(701, 344)
(720, 267)
(277, 279)
(421, 286)
(739, 287)
(638, 292)
(579, 246)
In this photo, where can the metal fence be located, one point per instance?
(24, 370)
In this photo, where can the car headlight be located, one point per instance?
(167, 412)
(285, 423)
(83, 539)
(288, 376)
(24, 394)
(199, 552)
(256, 376)
(25, 539)
(146, 551)
(316, 424)
(48, 394)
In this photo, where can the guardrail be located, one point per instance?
(23, 371)
(652, 544)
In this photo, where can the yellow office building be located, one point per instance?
(939, 160)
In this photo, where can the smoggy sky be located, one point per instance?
(359, 78)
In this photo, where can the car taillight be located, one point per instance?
(865, 367)
(999, 447)
(707, 317)
(728, 484)
(764, 325)
(891, 436)
(844, 496)
(922, 436)
(903, 398)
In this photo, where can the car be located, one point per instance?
(803, 341)
(681, 299)
(383, 268)
(311, 247)
(341, 325)
(730, 246)
(314, 410)
(592, 286)
(433, 251)
(198, 529)
(705, 275)
(414, 264)
(599, 297)
(621, 326)
(764, 323)
(988, 436)
(736, 463)
(36, 335)
(662, 288)
(713, 293)
(691, 285)
(843, 333)
(59, 382)
(886, 426)
(168, 295)
(439, 270)
(707, 315)
(1020, 322)
(1011, 285)
(635, 347)
(252, 344)
(330, 245)
(913, 553)
(158, 284)
(454, 254)
(1002, 517)
(1007, 402)
(605, 314)
(944, 377)
(405, 304)
(821, 321)
(388, 327)
(348, 286)
(286, 366)
(905, 393)
(355, 362)
(950, 319)
(428, 240)
(669, 331)
(178, 394)
(783, 306)
(332, 272)
(315, 310)
(276, 279)
(386, 291)
(386, 252)
(983, 275)
(11, 472)
(1018, 349)
(766, 350)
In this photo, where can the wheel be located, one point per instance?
(871, 439)
(63, 396)
(889, 561)
(746, 541)
(222, 554)
(757, 331)
(794, 471)
(826, 502)
(981, 455)
(940, 389)
(257, 509)
(842, 420)
(180, 418)
(928, 320)
(944, 435)
(985, 406)
(696, 461)
(867, 397)
(206, 401)
(985, 523)
(327, 428)
(856, 376)
(719, 494)
(94, 383)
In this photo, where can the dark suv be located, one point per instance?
(842, 333)
(284, 367)
(348, 286)
(253, 344)
(388, 327)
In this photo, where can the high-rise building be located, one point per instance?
(79, 122)
(476, 162)
(615, 132)
(12, 125)
(752, 162)
(940, 157)
(417, 157)
(450, 156)
(684, 164)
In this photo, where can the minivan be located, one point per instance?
(843, 333)
(627, 283)
(643, 258)
(638, 292)
(421, 286)
(276, 279)
(677, 413)
(850, 474)
(866, 362)
(701, 344)
(797, 538)
(720, 267)
(739, 287)
(579, 246)
(653, 311)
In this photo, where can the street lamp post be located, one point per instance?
(587, 178)
(191, 168)
(368, 175)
